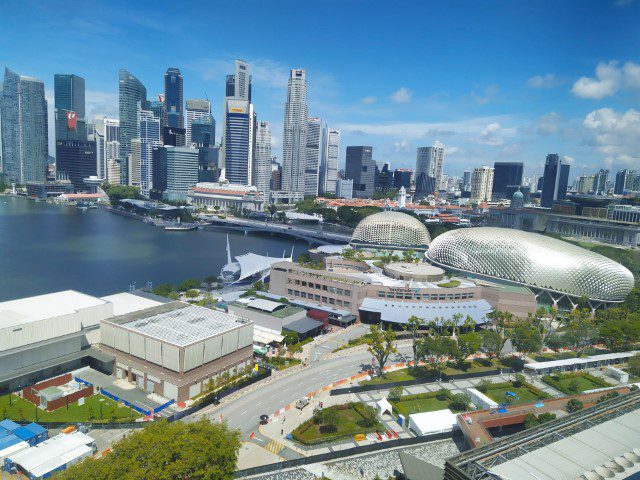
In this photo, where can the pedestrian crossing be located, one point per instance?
(274, 447)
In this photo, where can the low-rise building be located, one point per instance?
(226, 196)
(175, 349)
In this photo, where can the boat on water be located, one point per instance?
(248, 268)
(183, 227)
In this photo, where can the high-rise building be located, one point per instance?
(294, 141)
(70, 118)
(208, 162)
(131, 92)
(182, 172)
(600, 181)
(197, 108)
(384, 177)
(329, 160)
(625, 180)
(76, 160)
(481, 184)
(584, 184)
(172, 114)
(555, 180)
(361, 168)
(505, 175)
(203, 132)
(276, 174)
(429, 165)
(402, 178)
(312, 156)
(149, 138)
(262, 160)
(238, 127)
(105, 134)
(466, 181)
(344, 188)
(24, 125)
(157, 107)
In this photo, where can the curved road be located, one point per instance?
(243, 413)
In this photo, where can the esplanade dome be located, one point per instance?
(391, 230)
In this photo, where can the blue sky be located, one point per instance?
(491, 80)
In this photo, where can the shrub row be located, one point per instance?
(550, 380)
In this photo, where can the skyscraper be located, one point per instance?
(481, 184)
(262, 160)
(600, 181)
(131, 92)
(555, 179)
(624, 180)
(23, 112)
(71, 122)
(429, 164)
(329, 160)
(506, 174)
(312, 156)
(197, 108)
(76, 160)
(402, 178)
(203, 131)
(172, 113)
(149, 138)
(238, 127)
(105, 134)
(466, 181)
(294, 141)
(361, 168)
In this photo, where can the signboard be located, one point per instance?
(360, 437)
(72, 121)
(237, 110)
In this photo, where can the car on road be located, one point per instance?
(264, 419)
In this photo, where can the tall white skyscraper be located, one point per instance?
(238, 127)
(196, 108)
(312, 157)
(329, 160)
(107, 149)
(262, 159)
(294, 142)
(481, 184)
(429, 164)
(149, 138)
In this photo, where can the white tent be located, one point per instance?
(384, 407)
(427, 423)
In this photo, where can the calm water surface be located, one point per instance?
(45, 248)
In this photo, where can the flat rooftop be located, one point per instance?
(178, 323)
(124, 303)
(40, 307)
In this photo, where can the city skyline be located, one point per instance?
(580, 107)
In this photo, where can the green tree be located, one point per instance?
(492, 343)
(468, 344)
(634, 365)
(369, 416)
(436, 350)
(413, 326)
(460, 401)
(211, 279)
(526, 338)
(166, 451)
(116, 193)
(580, 330)
(192, 293)
(395, 394)
(163, 290)
(381, 345)
(330, 420)
(574, 405)
(189, 284)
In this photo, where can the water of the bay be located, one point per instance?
(46, 248)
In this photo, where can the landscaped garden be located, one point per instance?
(515, 392)
(338, 421)
(280, 363)
(574, 382)
(429, 402)
(17, 408)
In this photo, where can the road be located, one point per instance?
(243, 413)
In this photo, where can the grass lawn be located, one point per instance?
(582, 382)
(23, 410)
(524, 394)
(349, 424)
(548, 357)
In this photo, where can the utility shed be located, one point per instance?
(32, 433)
(426, 423)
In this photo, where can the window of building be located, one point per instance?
(304, 284)
(332, 301)
(347, 304)
(296, 293)
(339, 302)
(324, 299)
(324, 287)
(389, 294)
(316, 298)
(381, 294)
(339, 290)
(303, 294)
(347, 293)
(442, 296)
(332, 290)
(289, 291)
(297, 282)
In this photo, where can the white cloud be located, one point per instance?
(610, 78)
(548, 80)
(569, 160)
(491, 135)
(403, 95)
(368, 100)
(101, 103)
(615, 134)
(548, 124)
(402, 146)
(486, 96)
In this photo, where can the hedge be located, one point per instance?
(549, 380)
(532, 388)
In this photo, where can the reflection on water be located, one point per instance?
(45, 248)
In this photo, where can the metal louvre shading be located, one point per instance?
(391, 229)
(533, 260)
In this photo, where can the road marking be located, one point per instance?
(274, 447)
(242, 413)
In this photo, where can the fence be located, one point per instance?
(419, 381)
(325, 457)
(125, 402)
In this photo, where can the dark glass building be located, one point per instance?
(384, 178)
(402, 178)
(69, 94)
(555, 180)
(173, 114)
(76, 159)
(203, 131)
(159, 172)
(208, 164)
(174, 136)
(361, 169)
(131, 93)
(505, 175)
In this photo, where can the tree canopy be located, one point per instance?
(166, 451)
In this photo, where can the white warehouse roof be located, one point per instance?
(178, 323)
(50, 305)
(127, 302)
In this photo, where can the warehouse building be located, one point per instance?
(175, 349)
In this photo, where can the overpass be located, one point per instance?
(310, 235)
